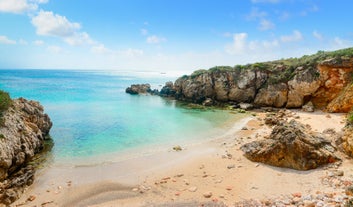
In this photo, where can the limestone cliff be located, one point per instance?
(23, 129)
(290, 83)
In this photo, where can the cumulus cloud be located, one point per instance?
(317, 35)
(20, 6)
(261, 16)
(256, 14)
(266, 25)
(5, 40)
(155, 39)
(144, 32)
(241, 45)
(49, 24)
(294, 37)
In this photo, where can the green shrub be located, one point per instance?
(350, 117)
(5, 101)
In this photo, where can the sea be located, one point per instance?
(93, 116)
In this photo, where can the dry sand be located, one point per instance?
(185, 178)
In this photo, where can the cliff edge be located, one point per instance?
(23, 130)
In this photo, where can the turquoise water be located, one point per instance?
(93, 115)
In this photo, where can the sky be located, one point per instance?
(169, 36)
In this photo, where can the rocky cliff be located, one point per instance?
(23, 130)
(290, 83)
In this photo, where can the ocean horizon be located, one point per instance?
(93, 116)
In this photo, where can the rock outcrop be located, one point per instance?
(291, 145)
(139, 89)
(291, 83)
(23, 131)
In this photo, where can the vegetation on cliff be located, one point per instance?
(5, 101)
(319, 78)
(285, 68)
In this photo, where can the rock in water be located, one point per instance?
(139, 89)
(291, 145)
(23, 130)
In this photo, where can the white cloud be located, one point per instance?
(317, 35)
(20, 6)
(49, 24)
(5, 40)
(239, 44)
(38, 42)
(144, 32)
(266, 25)
(79, 38)
(296, 36)
(256, 14)
(155, 39)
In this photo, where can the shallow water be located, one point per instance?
(93, 115)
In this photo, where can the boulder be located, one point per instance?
(308, 107)
(291, 145)
(139, 89)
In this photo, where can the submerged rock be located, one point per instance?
(291, 145)
(23, 132)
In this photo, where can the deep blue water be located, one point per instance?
(93, 115)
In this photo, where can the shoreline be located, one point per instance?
(130, 169)
(187, 175)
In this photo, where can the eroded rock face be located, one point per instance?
(304, 84)
(291, 145)
(318, 82)
(347, 139)
(22, 135)
(343, 102)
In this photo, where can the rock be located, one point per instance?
(291, 145)
(207, 102)
(246, 106)
(139, 89)
(207, 194)
(349, 191)
(308, 107)
(347, 139)
(24, 130)
(177, 148)
(193, 189)
(231, 166)
(167, 90)
(273, 95)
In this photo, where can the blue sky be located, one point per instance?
(168, 36)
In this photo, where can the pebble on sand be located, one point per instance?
(207, 194)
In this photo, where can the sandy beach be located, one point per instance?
(214, 173)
